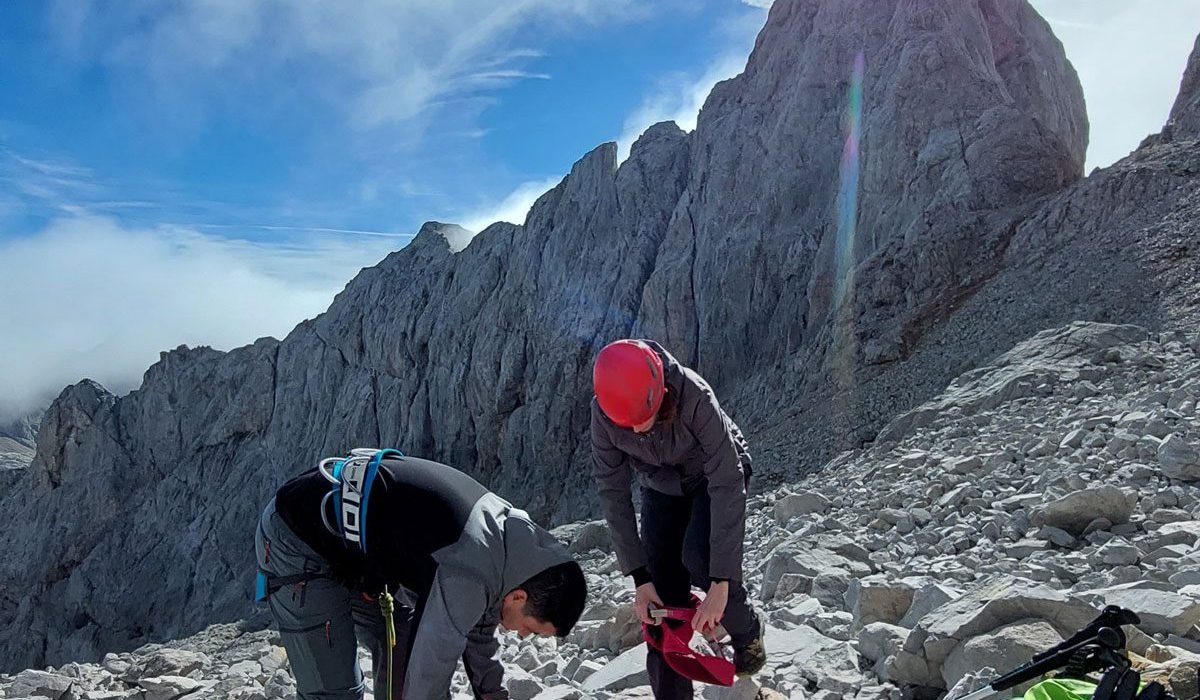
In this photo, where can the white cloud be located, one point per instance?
(1130, 56)
(86, 297)
(765, 4)
(680, 96)
(679, 100)
(513, 208)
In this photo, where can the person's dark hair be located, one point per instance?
(557, 595)
(668, 409)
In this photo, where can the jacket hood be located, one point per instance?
(529, 550)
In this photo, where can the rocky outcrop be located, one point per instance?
(22, 429)
(1117, 247)
(17, 439)
(14, 458)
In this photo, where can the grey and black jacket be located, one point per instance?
(457, 548)
(700, 448)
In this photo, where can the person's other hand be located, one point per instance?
(712, 609)
(644, 597)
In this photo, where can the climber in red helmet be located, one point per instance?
(656, 418)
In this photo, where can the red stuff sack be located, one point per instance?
(673, 639)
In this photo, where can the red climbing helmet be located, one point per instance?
(628, 379)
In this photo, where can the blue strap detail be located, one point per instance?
(372, 470)
(336, 487)
(260, 587)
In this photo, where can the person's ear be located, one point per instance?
(517, 596)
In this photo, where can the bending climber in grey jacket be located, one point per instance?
(656, 418)
(337, 545)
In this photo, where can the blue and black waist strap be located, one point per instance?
(266, 585)
(350, 481)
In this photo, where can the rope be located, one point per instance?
(386, 607)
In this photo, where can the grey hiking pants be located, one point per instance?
(321, 621)
(675, 533)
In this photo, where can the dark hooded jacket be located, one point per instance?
(700, 448)
(457, 548)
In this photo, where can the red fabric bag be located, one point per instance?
(673, 639)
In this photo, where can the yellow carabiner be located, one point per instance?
(386, 606)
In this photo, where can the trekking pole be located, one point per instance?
(1111, 616)
(1104, 643)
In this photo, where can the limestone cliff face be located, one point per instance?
(968, 109)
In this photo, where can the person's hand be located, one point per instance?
(643, 598)
(712, 608)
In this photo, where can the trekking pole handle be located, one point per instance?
(1111, 616)
(1105, 637)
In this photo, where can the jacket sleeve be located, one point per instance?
(610, 468)
(452, 610)
(726, 484)
(482, 660)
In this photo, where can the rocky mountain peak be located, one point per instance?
(435, 237)
(1185, 115)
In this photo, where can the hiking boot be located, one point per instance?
(750, 659)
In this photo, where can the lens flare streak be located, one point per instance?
(847, 207)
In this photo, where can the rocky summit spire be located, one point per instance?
(1185, 115)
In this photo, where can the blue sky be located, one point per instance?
(226, 116)
(213, 171)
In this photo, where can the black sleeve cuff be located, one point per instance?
(641, 575)
(714, 579)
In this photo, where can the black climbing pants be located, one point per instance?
(675, 535)
(321, 621)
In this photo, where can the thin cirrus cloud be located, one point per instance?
(90, 297)
(383, 63)
(56, 184)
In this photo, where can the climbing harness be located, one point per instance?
(265, 585)
(350, 489)
(350, 478)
